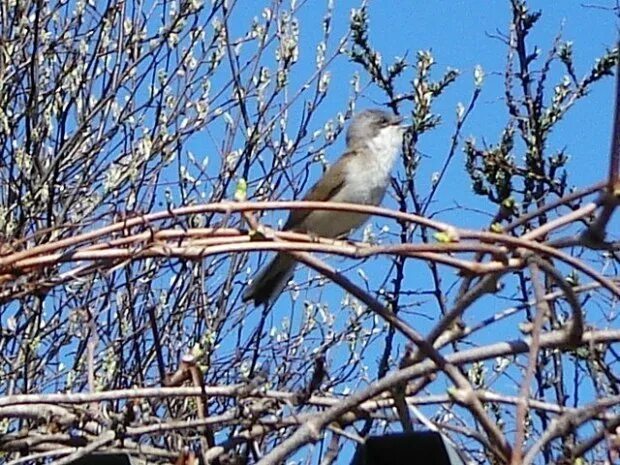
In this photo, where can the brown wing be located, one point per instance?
(324, 190)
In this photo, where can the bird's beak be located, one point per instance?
(400, 122)
(397, 120)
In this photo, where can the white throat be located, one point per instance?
(384, 148)
(368, 173)
(367, 177)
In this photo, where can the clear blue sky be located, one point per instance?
(458, 34)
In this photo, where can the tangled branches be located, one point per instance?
(143, 151)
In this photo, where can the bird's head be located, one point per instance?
(375, 125)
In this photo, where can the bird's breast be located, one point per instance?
(367, 176)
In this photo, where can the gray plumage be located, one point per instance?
(361, 175)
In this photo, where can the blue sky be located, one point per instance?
(458, 34)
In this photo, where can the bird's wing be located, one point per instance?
(324, 190)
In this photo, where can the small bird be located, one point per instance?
(361, 175)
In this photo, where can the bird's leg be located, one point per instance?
(313, 236)
(345, 236)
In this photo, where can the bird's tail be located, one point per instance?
(270, 281)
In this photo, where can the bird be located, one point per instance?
(361, 175)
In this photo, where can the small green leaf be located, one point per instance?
(449, 235)
(573, 278)
(582, 353)
(241, 191)
(197, 351)
(441, 237)
(509, 203)
(257, 235)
